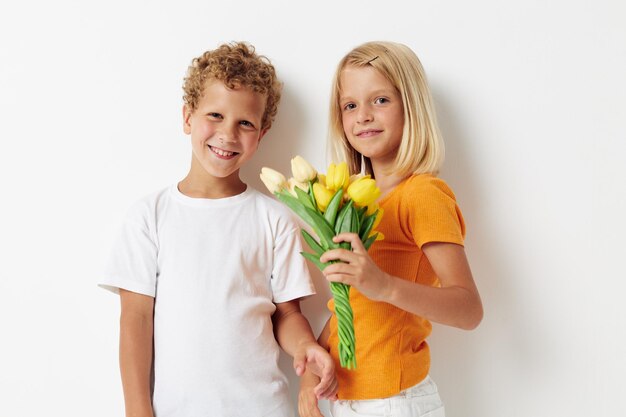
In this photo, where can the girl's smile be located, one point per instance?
(368, 133)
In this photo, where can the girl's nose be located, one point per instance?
(364, 115)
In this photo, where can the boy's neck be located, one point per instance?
(212, 188)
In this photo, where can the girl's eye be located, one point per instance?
(381, 100)
(349, 106)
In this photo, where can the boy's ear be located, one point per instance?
(263, 132)
(186, 115)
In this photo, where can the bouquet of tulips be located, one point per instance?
(331, 204)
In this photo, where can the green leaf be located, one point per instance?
(366, 226)
(296, 206)
(342, 214)
(322, 228)
(315, 260)
(361, 213)
(312, 217)
(304, 198)
(311, 193)
(333, 207)
(310, 240)
(369, 241)
(347, 224)
(356, 224)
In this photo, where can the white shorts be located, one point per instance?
(421, 400)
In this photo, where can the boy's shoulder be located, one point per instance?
(271, 204)
(148, 204)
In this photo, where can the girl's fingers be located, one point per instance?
(338, 268)
(353, 239)
(330, 392)
(337, 255)
(342, 278)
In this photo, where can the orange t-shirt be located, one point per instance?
(391, 349)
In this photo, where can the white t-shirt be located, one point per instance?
(215, 267)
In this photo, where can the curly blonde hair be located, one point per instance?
(236, 65)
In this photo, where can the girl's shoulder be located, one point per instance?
(427, 185)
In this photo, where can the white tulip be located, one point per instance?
(273, 180)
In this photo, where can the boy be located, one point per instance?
(209, 271)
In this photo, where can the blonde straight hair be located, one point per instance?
(421, 149)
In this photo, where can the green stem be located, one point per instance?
(345, 324)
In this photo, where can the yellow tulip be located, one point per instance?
(380, 236)
(371, 209)
(294, 183)
(363, 192)
(302, 171)
(337, 176)
(379, 216)
(322, 196)
(321, 178)
(358, 177)
(273, 180)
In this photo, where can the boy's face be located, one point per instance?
(225, 129)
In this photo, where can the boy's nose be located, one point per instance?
(227, 135)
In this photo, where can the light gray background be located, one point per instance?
(530, 97)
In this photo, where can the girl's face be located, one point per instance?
(372, 113)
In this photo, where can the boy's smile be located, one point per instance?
(225, 131)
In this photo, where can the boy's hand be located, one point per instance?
(315, 359)
(307, 400)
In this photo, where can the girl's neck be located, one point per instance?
(386, 181)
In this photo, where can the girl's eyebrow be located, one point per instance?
(382, 91)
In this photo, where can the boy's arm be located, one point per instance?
(307, 398)
(136, 333)
(294, 335)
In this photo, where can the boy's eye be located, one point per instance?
(215, 115)
(246, 123)
(381, 100)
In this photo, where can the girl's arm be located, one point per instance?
(456, 303)
(136, 333)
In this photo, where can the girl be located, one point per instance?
(382, 122)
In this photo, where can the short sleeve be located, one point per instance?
(434, 215)
(290, 275)
(132, 264)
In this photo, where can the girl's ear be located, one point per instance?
(186, 116)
